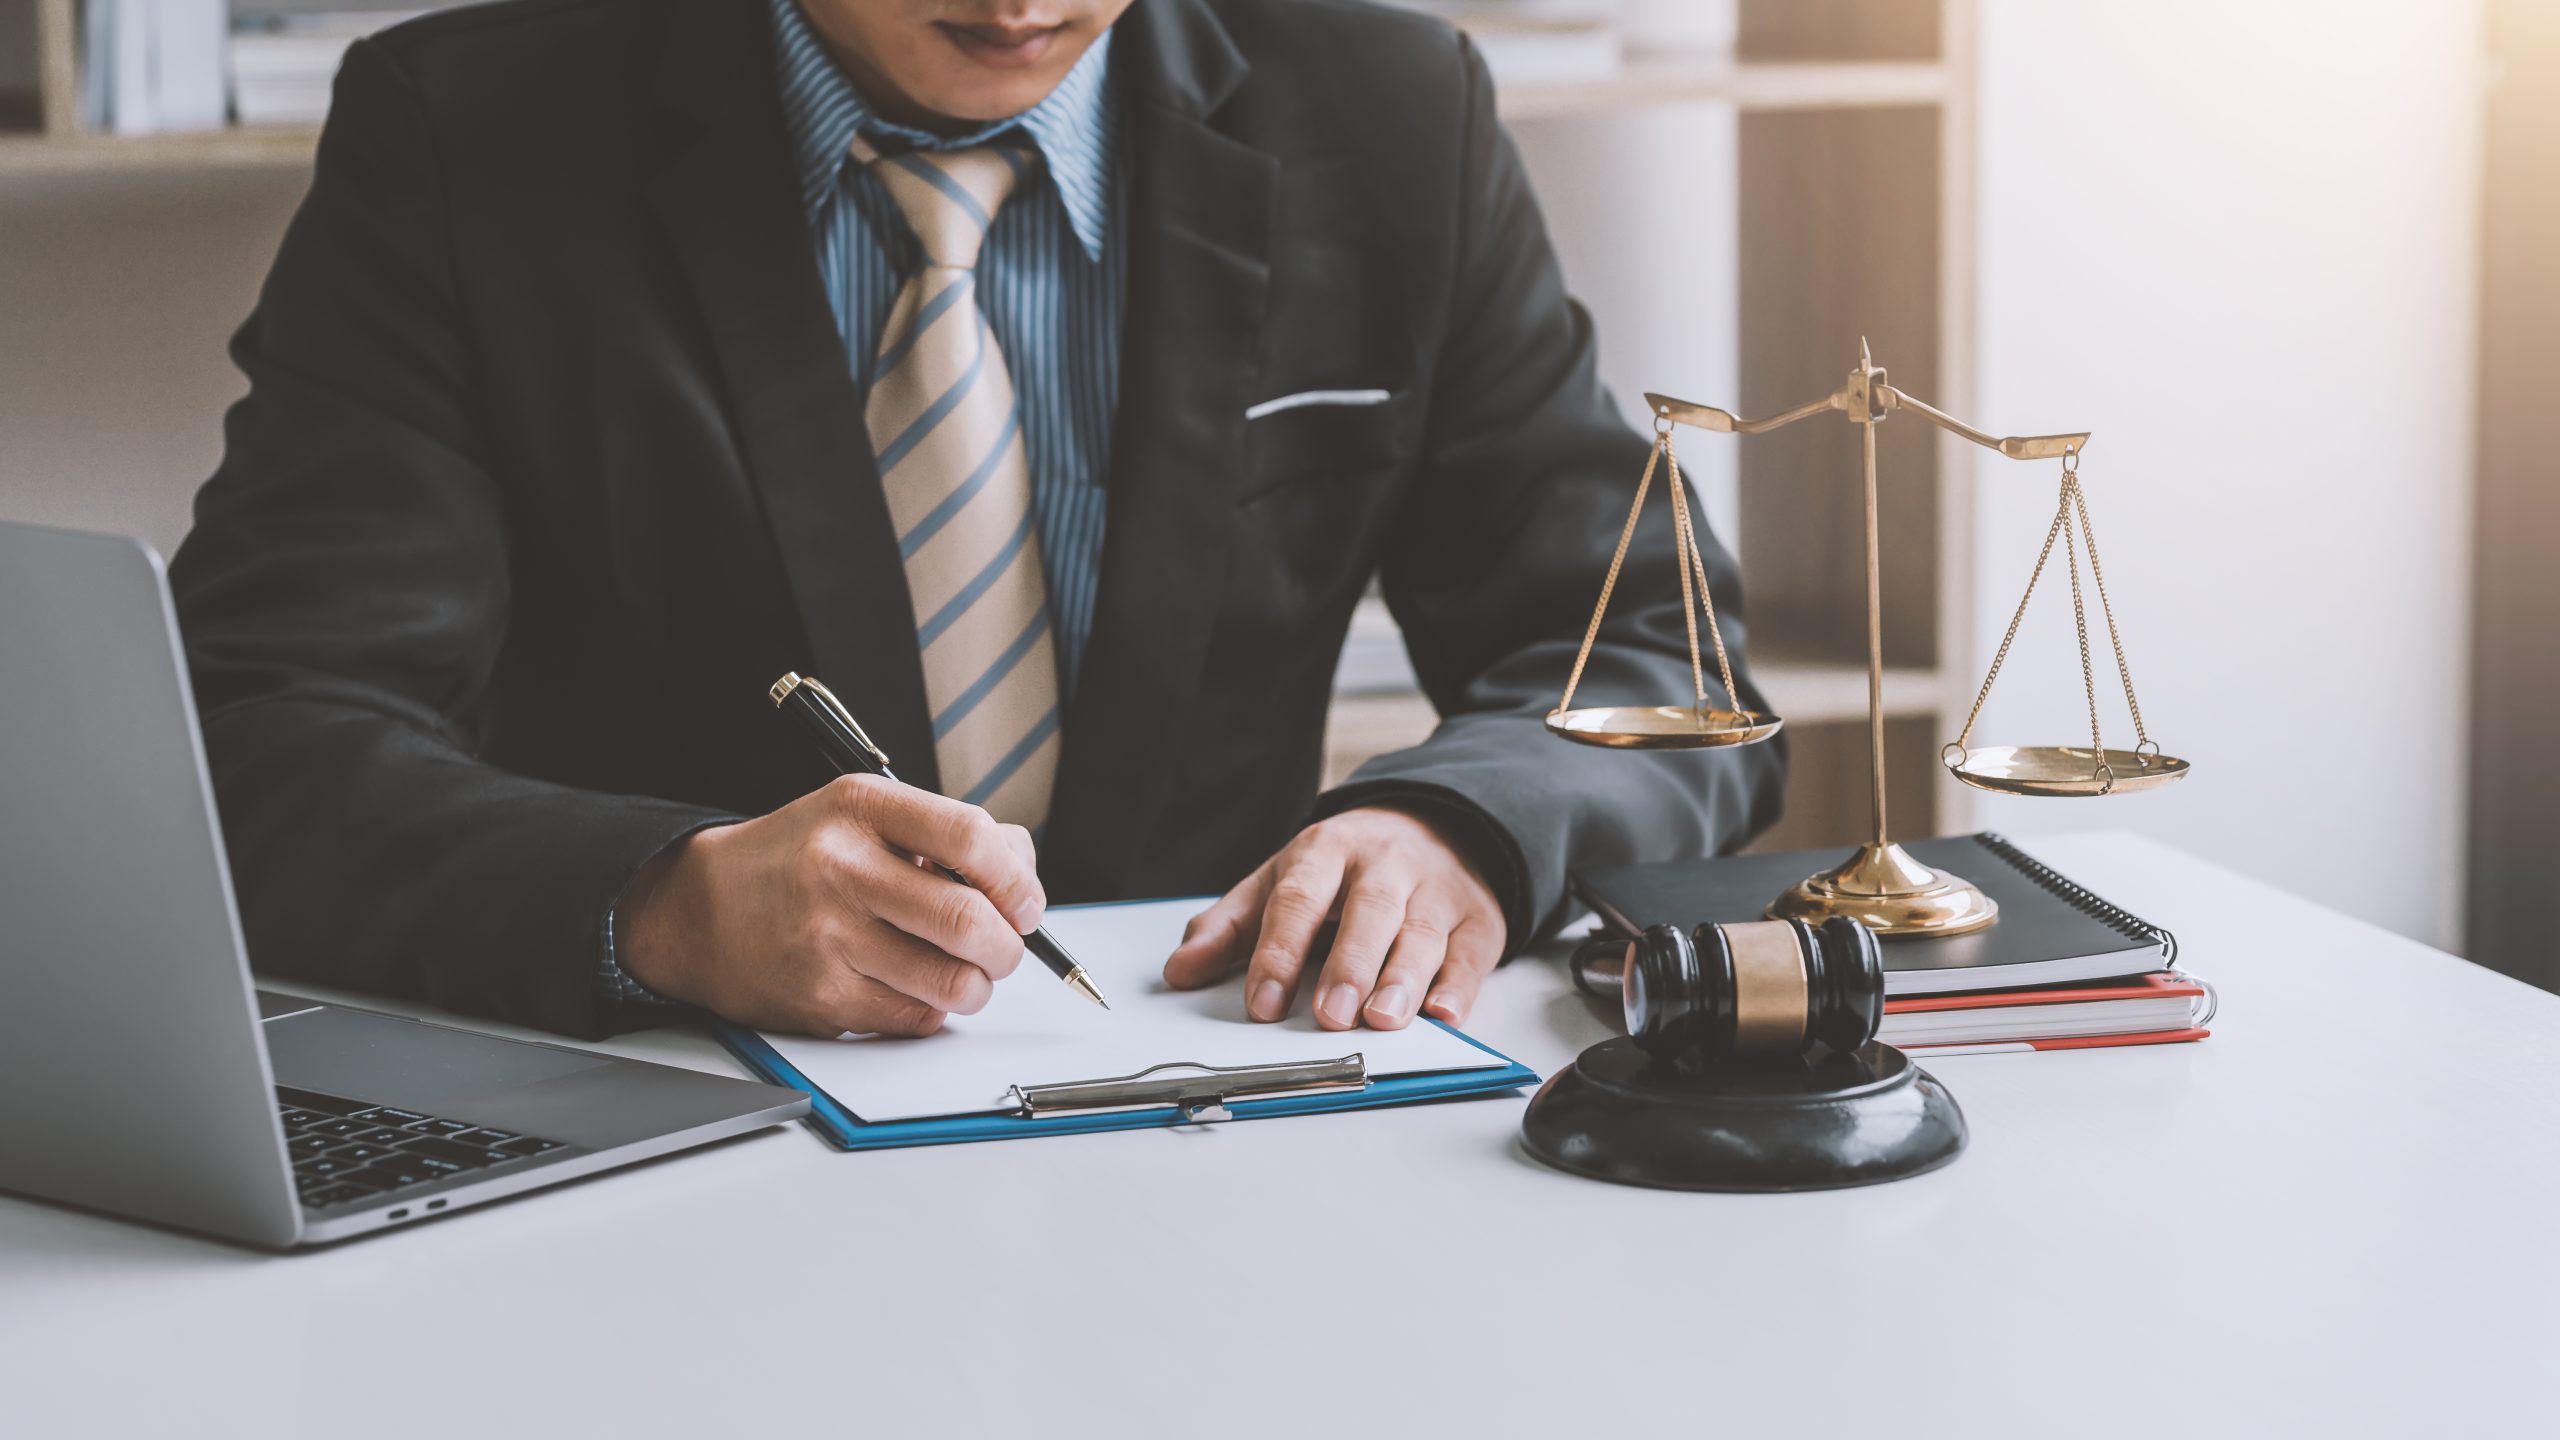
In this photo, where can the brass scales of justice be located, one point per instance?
(1881, 886)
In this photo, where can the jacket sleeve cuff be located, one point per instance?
(619, 996)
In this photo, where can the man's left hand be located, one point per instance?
(1415, 925)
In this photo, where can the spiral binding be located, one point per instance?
(2079, 897)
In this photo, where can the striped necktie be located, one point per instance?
(948, 437)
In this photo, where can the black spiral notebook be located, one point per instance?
(2051, 931)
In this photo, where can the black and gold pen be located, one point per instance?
(851, 751)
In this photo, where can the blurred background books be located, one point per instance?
(152, 65)
(285, 55)
(160, 66)
(163, 66)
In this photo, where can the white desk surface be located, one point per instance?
(2336, 1216)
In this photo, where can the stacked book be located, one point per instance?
(2159, 1007)
(284, 54)
(2061, 970)
(153, 66)
(149, 66)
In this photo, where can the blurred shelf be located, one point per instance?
(1750, 85)
(1642, 83)
(1816, 692)
(1804, 692)
(1362, 726)
(265, 146)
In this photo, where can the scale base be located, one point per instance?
(1822, 1122)
(1884, 889)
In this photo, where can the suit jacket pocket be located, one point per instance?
(1311, 434)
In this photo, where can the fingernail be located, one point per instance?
(1442, 1007)
(1391, 1003)
(1267, 1001)
(1341, 1005)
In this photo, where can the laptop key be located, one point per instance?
(385, 1138)
(323, 1165)
(346, 1129)
(391, 1115)
(527, 1145)
(296, 1115)
(361, 1153)
(301, 1145)
(390, 1175)
(451, 1152)
(487, 1136)
(436, 1127)
(314, 1100)
(334, 1194)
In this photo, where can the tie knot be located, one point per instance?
(949, 197)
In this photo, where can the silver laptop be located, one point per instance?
(140, 1073)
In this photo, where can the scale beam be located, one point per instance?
(1724, 422)
(2016, 447)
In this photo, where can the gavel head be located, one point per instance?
(1757, 990)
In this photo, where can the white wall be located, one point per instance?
(1650, 247)
(2236, 239)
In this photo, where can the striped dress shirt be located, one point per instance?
(1050, 281)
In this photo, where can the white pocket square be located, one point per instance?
(1317, 397)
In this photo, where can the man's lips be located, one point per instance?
(1001, 45)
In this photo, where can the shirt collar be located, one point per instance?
(823, 112)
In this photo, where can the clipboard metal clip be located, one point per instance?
(1200, 1093)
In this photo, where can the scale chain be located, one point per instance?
(1694, 592)
(1684, 542)
(1609, 585)
(2043, 555)
(2080, 622)
(1706, 594)
(2124, 672)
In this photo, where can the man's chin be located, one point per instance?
(990, 99)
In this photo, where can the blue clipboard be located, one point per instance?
(848, 1131)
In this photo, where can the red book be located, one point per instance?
(2161, 1008)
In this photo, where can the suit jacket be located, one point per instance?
(552, 462)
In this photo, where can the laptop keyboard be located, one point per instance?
(348, 1150)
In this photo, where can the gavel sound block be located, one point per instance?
(1749, 1064)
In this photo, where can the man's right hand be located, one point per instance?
(824, 918)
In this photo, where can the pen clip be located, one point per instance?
(783, 687)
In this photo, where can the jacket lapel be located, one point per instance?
(730, 206)
(1199, 220)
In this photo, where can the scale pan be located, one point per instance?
(2065, 770)
(1661, 727)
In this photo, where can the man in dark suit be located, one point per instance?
(1051, 377)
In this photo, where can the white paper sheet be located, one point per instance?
(1036, 1031)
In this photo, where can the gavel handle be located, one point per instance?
(1599, 967)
